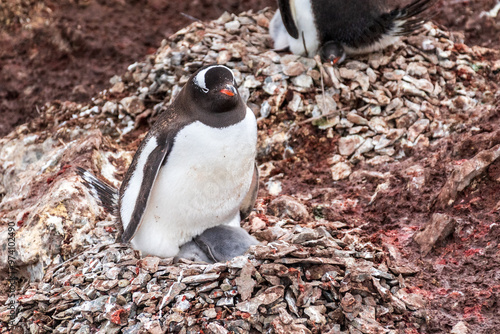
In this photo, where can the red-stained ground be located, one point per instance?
(461, 276)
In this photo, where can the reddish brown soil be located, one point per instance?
(467, 16)
(70, 49)
(461, 276)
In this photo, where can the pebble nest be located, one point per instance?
(309, 275)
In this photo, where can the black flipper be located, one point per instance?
(151, 168)
(287, 17)
(249, 200)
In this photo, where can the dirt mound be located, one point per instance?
(68, 50)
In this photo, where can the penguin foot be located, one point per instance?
(332, 52)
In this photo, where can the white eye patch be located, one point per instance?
(200, 81)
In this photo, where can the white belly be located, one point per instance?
(308, 35)
(278, 32)
(207, 175)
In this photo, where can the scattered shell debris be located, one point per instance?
(310, 280)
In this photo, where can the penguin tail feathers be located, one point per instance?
(106, 194)
(408, 19)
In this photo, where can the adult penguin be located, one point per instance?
(194, 170)
(336, 28)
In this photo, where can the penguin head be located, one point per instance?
(332, 52)
(192, 252)
(213, 89)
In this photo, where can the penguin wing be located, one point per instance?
(398, 22)
(410, 18)
(137, 186)
(249, 200)
(287, 16)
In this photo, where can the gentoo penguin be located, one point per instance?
(217, 244)
(194, 170)
(334, 28)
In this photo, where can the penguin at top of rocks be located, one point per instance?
(195, 168)
(336, 28)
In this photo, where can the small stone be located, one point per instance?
(251, 82)
(215, 328)
(356, 119)
(294, 68)
(270, 295)
(210, 313)
(347, 73)
(105, 285)
(118, 88)
(413, 301)
(461, 103)
(326, 103)
(286, 206)
(366, 147)
(367, 326)
(296, 103)
(422, 84)
(112, 273)
(340, 171)
(149, 263)
(153, 327)
(225, 301)
(224, 18)
(439, 227)
(349, 144)
(416, 69)
(224, 57)
(200, 278)
(232, 26)
(303, 81)
(378, 125)
(274, 187)
(265, 109)
(181, 304)
(132, 105)
(417, 128)
(257, 224)
(394, 75)
(315, 313)
(464, 173)
(460, 328)
(244, 282)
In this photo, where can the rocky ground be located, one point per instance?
(378, 208)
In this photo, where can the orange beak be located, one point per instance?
(229, 90)
(335, 60)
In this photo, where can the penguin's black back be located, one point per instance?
(358, 23)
